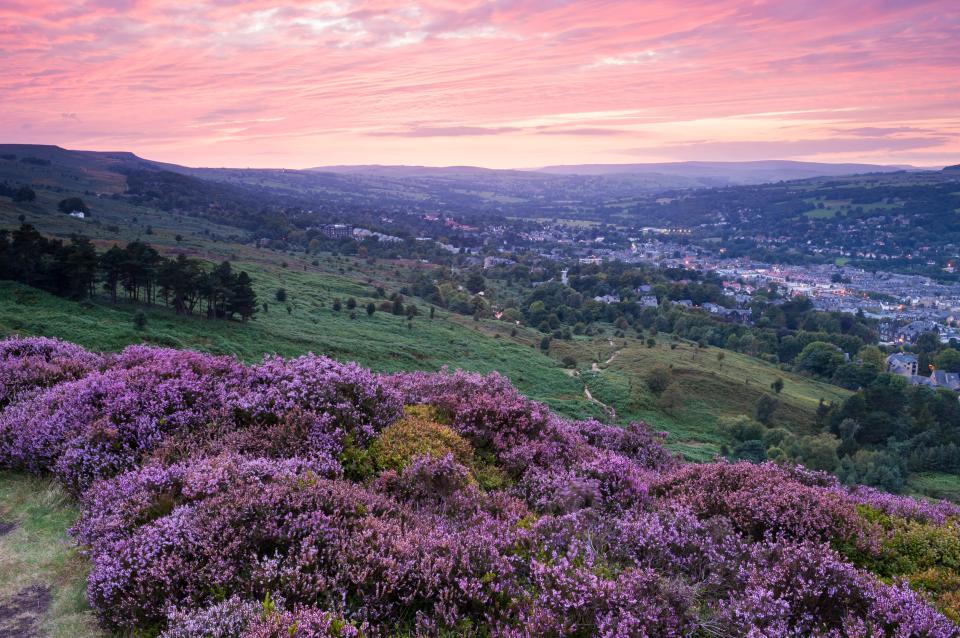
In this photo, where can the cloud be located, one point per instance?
(626, 59)
(445, 131)
(588, 131)
(529, 82)
(785, 149)
(881, 131)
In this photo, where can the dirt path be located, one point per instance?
(610, 412)
(20, 614)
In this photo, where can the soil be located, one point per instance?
(21, 614)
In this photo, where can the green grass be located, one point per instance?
(382, 342)
(709, 389)
(935, 485)
(38, 551)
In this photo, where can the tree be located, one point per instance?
(741, 428)
(816, 452)
(72, 204)
(659, 378)
(545, 343)
(820, 358)
(351, 303)
(721, 355)
(140, 319)
(280, 295)
(766, 406)
(751, 450)
(243, 300)
(371, 308)
(672, 398)
(111, 267)
(24, 194)
(337, 305)
(948, 360)
(475, 282)
(872, 355)
(777, 385)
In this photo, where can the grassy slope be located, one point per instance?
(37, 552)
(710, 389)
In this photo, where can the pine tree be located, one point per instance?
(243, 301)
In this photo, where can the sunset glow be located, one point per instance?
(508, 83)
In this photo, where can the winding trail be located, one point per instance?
(609, 410)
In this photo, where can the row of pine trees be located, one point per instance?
(136, 273)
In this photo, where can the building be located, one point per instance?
(903, 363)
(490, 262)
(607, 298)
(649, 301)
(950, 380)
(79, 214)
(336, 231)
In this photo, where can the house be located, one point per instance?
(649, 301)
(914, 329)
(686, 303)
(607, 298)
(336, 231)
(490, 262)
(79, 214)
(916, 379)
(903, 364)
(950, 380)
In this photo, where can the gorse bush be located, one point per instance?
(306, 498)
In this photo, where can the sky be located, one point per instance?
(503, 83)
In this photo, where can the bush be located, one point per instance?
(219, 499)
(414, 436)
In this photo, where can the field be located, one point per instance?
(710, 387)
(306, 322)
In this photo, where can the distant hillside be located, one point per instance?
(728, 172)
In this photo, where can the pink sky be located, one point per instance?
(507, 83)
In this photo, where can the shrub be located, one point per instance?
(413, 436)
(206, 485)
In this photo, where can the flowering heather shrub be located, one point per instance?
(358, 402)
(100, 425)
(206, 485)
(240, 527)
(905, 507)
(762, 500)
(228, 619)
(635, 441)
(306, 622)
(574, 601)
(29, 364)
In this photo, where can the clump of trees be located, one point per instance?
(72, 204)
(21, 194)
(136, 273)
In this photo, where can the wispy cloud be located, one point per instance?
(502, 82)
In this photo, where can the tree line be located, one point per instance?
(136, 273)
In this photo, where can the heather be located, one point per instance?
(307, 498)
